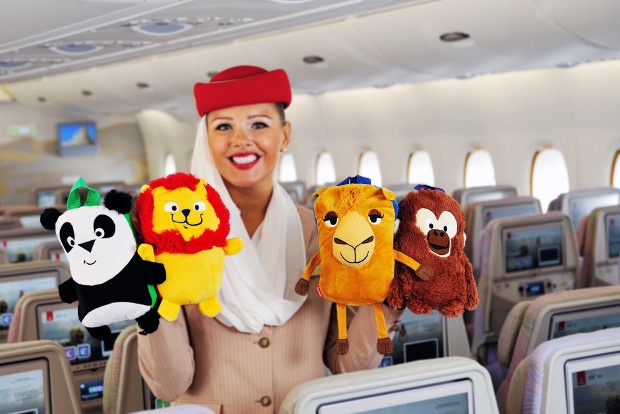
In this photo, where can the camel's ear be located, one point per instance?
(319, 191)
(389, 194)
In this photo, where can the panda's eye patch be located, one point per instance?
(67, 237)
(104, 227)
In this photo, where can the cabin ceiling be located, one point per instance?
(109, 58)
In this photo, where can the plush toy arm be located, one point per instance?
(146, 252)
(472, 291)
(154, 273)
(423, 272)
(233, 246)
(67, 291)
(304, 283)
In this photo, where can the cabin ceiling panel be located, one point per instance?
(348, 60)
(504, 35)
(44, 37)
(595, 21)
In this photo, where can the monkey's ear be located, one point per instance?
(49, 217)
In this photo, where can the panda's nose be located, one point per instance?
(88, 246)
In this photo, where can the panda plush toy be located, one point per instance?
(109, 279)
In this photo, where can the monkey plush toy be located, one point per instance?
(432, 228)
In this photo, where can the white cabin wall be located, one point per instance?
(31, 161)
(510, 114)
(163, 134)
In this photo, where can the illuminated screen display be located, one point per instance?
(46, 198)
(78, 134)
(593, 385)
(487, 196)
(449, 398)
(20, 249)
(59, 322)
(569, 323)
(92, 389)
(580, 207)
(613, 235)
(533, 248)
(419, 337)
(24, 388)
(492, 213)
(14, 287)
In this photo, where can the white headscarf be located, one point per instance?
(258, 287)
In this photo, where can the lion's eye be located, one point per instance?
(171, 207)
(200, 206)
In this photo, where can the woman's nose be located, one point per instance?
(241, 139)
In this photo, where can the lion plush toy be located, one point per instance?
(184, 224)
(355, 223)
(432, 225)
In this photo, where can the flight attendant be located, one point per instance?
(267, 339)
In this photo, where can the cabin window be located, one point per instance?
(479, 169)
(325, 170)
(170, 165)
(420, 168)
(369, 167)
(549, 176)
(615, 170)
(288, 171)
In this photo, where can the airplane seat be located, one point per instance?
(601, 248)
(9, 223)
(418, 337)
(566, 373)
(295, 189)
(579, 203)
(39, 369)
(308, 200)
(122, 381)
(523, 257)
(550, 316)
(24, 324)
(450, 381)
(581, 234)
(20, 243)
(466, 196)
(181, 409)
(51, 250)
(4, 258)
(402, 189)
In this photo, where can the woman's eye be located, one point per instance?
(223, 127)
(259, 125)
(171, 207)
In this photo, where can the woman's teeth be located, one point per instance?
(245, 160)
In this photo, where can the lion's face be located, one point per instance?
(186, 211)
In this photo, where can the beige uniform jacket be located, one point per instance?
(197, 360)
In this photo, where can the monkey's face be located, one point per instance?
(439, 231)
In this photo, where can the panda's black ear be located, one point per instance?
(49, 217)
(118, 201)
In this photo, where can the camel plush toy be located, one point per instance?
(355, 223)
(184, 225)
(432, 226)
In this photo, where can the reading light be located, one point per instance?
(313, 59)
(212, 73)
(13, 64)
(453, 36)
(142, 85)
(42, 99)
(86, 92)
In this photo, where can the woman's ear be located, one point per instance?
(286, 131)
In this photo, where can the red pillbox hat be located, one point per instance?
(242, 85)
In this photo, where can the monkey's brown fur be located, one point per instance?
(452, 287)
